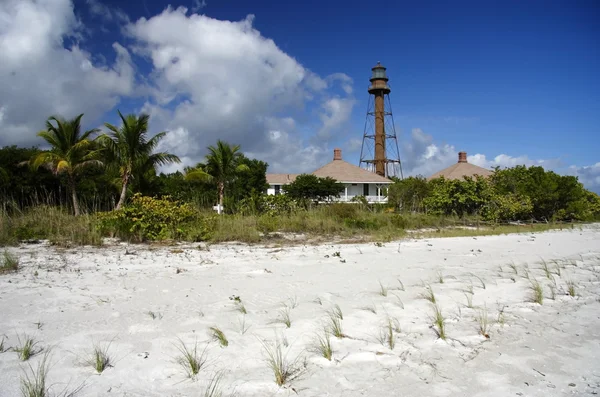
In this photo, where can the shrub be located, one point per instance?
(148, 218)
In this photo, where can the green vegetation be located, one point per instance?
(99, 358)
(27, 347)
(9, 263)
(222, 166)
(308, 188)
(335, 326)
(112, 185)
(284, 370)
(71, 152)
(191, 359)
(513, 194)
(219, 336)
(128, 150)
(537, 292)
(322, 344)
(439, 322)
(33, 382)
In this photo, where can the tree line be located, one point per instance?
(98, 170)
(513, 194)
(103, 168)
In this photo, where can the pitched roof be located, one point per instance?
(280, 179)
(342, 171)
(338, 169)
(461, 169)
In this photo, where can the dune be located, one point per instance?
(520, 316)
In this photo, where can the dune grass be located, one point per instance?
(345, 221)
(27, 347)
(99, 359)
(214, 389)
(387, 334)
(219, 336)
(383, 291)
(337, 312)
(284, 317)
(322, 344)
(428, 294)
(483, 322)
(284, 370)
(571, 288)
(190, 358)
(10, 263)
(439, 322)
(537, 292)
(34, 380)
(334, 326)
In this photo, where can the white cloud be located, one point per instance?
(198, 5)
(344, 80)
(216, 79)
(106, 13)
(39, 77)
(335, 113)
(422, 156)
(588, 175)
(507, 161)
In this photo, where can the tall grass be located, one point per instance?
(322, 344)
(439, 322)
(8, 263)
(284, 370)
(99, 359)
(47, 222)
(191, 359)
(342, 220)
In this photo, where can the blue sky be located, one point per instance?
(509, 82)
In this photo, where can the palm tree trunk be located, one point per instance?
(221, 194)
(74, 195)
(123, 192)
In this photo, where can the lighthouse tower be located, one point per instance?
(379, 151)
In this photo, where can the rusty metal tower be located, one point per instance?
(379, 151)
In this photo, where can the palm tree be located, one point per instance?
(70, 153)
(221, 166)
(128, 148)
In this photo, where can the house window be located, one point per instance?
(277, 190)
(355, 184)
(365, 189)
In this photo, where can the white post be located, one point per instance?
(345, 192)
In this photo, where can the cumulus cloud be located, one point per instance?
(420, 155)
(216, 79)
(39, 77)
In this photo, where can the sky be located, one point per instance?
(509, 82)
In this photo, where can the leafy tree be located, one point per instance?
(458, 197)
(311, 187)
(128, 148)
(553, 196)
(252, 179)
(71, 152)
(221, 166)
(409, 193)
(22, 185)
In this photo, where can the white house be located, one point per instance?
(356, 181)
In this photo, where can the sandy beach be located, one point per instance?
(142, 301)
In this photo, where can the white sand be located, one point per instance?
(87, 295)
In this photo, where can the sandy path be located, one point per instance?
(69, 299)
